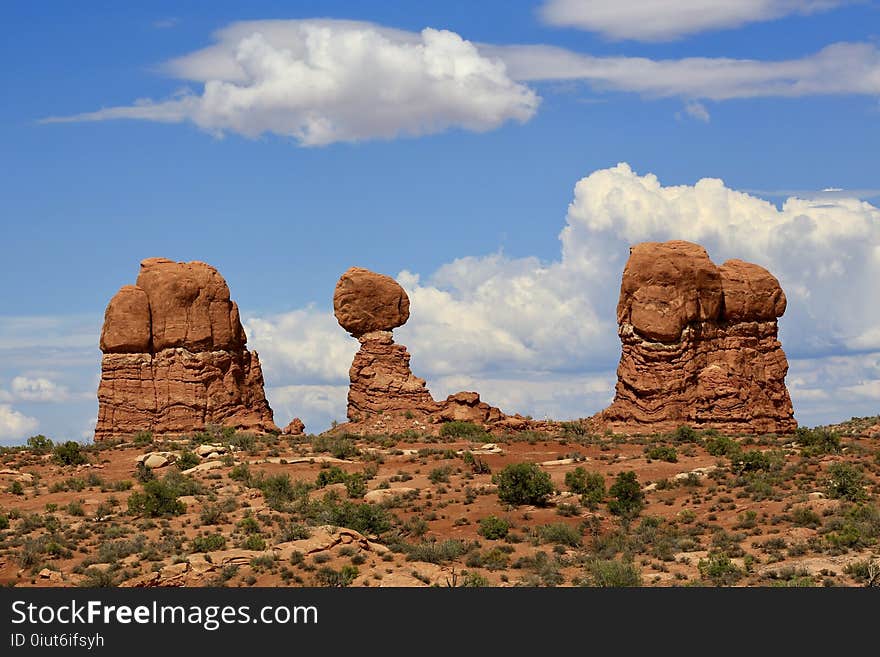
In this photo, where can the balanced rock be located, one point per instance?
(383, 387)
(175, 358)
(365, 301)
(699, 345)
(295, 427)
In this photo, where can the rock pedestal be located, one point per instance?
(699, 345)
(175, 358)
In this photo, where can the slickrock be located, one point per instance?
(699, 345)
(175, 358)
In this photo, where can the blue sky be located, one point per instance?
(282, 184)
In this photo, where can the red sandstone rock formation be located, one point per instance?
(175, 358)
(384, 393)
(700, 345)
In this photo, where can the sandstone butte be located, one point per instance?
(384, 394)
(699, 345)
(174, 356)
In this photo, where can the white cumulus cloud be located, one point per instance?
(540, 338)
(38, 389)
(15, 425)
(662, 20)
(325, 81)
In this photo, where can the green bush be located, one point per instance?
(69, 453)
(254, 542)
(477, 465)
(16, 488)
(558, 533)
(662, 453)
(459, 429)
(355, 486)
(611, 573)
(722, 446)
(327, 576)
(753, 461)
(143, 473)
(242, 473)
(157, 499)
(278, 491)
(438, 552)
(846, 482)
(814, 442)
(684, 434)
(332, 475)
(187, 460)
(208, 543)
(40, 444)
(523, 483)
(719, 569)
(627, 495)
(142, 438)
(440, 475)
(4, 521)
(341, 447)
(493, 528)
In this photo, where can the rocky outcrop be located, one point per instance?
(175, 358)
(384, 393)
(295, 427)
(699, 345)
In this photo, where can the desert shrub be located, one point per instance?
(856, 526)
(558, 533)
(753, 461)
(75, 508)
(576, 480)
(662, 453)
(208, 543)
(294, 532)
(69, 453)
(332, 475)
(611, 573)
(242, 473)
(846, 482)
(182, 484)
(718, 445)
(187, 460)
(523, 483)
(143, 438)
(627, 497)
(340, 447)
(244, 441)
(476, 464)
(254, 542)
(460, 429)
(719, 569)
(157, 499)
(4, 521)
(355, 486)
(16, 488)
(438, 552)
(685, 434)
(817, 441)
(211, 514)
(473, 579)
(327, 576)
(98, 578)
(40, 444)
(278, 491)
(804, 516)
(143, 473)
(493, 528)
(440, 475)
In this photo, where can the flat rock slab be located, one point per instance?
(382, 494)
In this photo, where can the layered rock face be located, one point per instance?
(369, 305)
(175, 358)
(699, 345)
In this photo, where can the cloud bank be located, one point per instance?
(657, 20)
(540, 337)
(325, 81)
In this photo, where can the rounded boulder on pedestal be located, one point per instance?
(127, 322)
(751, 293)
(666, 286)
(365, 301)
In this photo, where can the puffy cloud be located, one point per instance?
(317, 405)
(697, 111)
(15, 425)
(540, 337)
(324, 81)
(38, 389)
(840, 68)
(650, 20)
